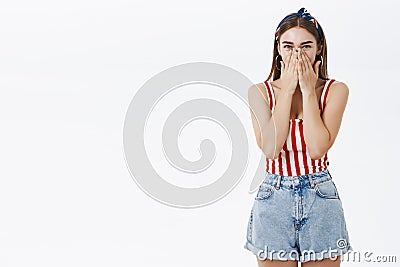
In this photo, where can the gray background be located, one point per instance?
(68, 71)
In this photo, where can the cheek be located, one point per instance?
(310, 56)
(286, 56)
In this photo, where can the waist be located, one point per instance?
(290, 163)
(298, 181)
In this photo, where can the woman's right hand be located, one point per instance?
(289, 76)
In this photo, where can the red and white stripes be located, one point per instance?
(294, 158)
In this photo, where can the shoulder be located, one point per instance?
(338, 91)
(338, 88)
(256, 91)
(258, 88)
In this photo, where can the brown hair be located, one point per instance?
(309, 26)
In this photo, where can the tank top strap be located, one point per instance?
(271, 96)
(324, 94)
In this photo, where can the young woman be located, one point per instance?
(297, 215)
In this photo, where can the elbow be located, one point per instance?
(316, 154)
(271, 155)
(268, 154)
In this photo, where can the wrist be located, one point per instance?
(309, 93)
(287, 93)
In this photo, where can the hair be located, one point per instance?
(309, 26)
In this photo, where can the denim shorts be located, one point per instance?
(297, 218)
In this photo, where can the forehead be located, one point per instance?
(297, 35)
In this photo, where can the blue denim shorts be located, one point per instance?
(297, 218)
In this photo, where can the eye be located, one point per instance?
(286, 46)
(307, 46)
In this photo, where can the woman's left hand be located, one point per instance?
(308, 76)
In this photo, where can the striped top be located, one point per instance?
(294, 159)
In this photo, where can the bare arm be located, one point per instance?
(261, 119)
(320, 132)
(281, 117)
(271, 129)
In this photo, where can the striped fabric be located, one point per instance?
(294, 159)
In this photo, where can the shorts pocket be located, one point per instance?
(264, 192)
(327, 189)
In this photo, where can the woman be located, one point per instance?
(297, 215)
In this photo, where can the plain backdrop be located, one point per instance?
(68, 71)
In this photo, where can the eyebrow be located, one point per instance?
(306, 42)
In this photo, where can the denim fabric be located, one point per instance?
(297, 218)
